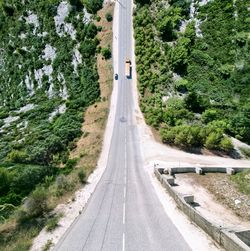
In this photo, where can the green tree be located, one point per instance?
(92, 6)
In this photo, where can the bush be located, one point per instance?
(209, 115)
(36, 204)
(53, 223)
(226, 144)
(106, 53)
(109, 17)
(16, 156)
(98, 18)
(245, 151)
(242, 181)
(213, 140)
(82, 176)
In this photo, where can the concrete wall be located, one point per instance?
(244, 236)
(223, 237)
(173, 170)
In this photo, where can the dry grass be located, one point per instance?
(89, 145)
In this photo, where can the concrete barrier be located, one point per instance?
(201, 170)
(230, 240)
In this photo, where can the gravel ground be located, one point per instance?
(225, 191)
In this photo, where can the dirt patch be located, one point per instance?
(224, 191)
(89, 145)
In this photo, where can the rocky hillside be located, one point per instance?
(48, 76)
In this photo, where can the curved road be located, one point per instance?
(124, 212)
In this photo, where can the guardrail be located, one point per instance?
(230, 239)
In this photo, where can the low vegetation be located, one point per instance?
(193, 76)
(242, 181)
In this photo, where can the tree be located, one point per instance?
(195, 102)
(92, 6)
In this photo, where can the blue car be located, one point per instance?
(116, 76)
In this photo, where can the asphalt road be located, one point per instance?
(124, 212)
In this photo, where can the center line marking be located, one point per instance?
(124, 213)
(123, 242)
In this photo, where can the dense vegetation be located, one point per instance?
(193, 71)
(48, 76)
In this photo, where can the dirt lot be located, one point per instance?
(226, 192)
(222, 190)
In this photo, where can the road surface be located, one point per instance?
(124, 212)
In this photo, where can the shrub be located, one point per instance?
(213, 140)
(71, 163)
(16, 156)
(106, 53)
(98, 18)
(245, 151)
(36, 205)
(226, 144)
(48, 245)
(109, 17)
(53, 223)
(209, 115)
(242, 181)
(82, 176)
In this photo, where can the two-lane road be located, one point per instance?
(124, 212)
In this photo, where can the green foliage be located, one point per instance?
(226, 144)
(109, 17)
(214, 70)
(36, 204)
(106, 53)
(92, 6)
(52, 223)
(242, 180)
(82, 176)
(213, 140)
(38, 136)
(4, 181)
(209, 115)
(245, 151)
(48, 245)
(6, 210)
(181, 85)
(167, 22)
(195, 102)
(17, 156)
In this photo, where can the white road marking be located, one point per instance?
(123, 242)
(124, 193)
(124, 213)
